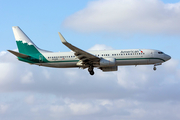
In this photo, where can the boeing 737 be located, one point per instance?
(106, 60)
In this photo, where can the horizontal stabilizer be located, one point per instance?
(18, 54)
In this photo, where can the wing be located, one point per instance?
(85, 57)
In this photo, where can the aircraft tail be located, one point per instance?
(24, 44)
(28, 51)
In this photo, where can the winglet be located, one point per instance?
(62, 38)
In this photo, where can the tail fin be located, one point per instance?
(24, 44)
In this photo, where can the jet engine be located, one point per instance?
(106, 62)
(107, 69)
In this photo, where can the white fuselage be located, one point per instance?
(122, 57)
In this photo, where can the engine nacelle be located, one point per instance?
(107, 69)
(107, 62)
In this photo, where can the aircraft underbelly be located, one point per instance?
(119, 62)
(138, 61)
(153, 61)
(133, 62)
(60, 64)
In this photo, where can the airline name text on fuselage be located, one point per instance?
(131, 51)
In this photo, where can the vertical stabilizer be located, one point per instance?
(24, 44)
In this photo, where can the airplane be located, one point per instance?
(106, 60)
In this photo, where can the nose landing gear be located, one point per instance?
(156, 65)
(91, 71)
(154, 68)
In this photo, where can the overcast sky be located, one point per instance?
(132, 93)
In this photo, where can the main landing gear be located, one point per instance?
(91, 71)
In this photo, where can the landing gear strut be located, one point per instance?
(156, 65)
(90, 69)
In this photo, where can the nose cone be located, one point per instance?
(167, 57)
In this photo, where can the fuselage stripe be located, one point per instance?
(116, 59)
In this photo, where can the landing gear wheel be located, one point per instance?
(91, 73)
(90, 69)
(154, 68)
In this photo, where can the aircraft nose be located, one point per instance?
(167, 57)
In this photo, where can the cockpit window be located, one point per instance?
(160, 53)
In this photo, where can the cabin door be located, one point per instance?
(151, 57)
